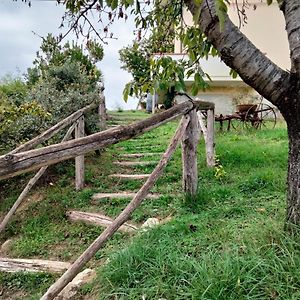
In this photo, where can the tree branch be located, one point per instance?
(291, 11)
(240, 54)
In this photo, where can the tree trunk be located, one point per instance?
(293, 177)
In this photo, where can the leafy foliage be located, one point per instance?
(64, 79)
(53, 54)
(137, 59)
(161, 17)
(19, 117)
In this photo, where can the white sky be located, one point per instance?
(18, 45)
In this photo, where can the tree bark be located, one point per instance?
(291, 11)
(293, 178)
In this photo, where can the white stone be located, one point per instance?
(71, 290)
(151, 222)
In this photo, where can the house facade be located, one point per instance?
(265, 27)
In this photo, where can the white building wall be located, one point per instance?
(265, 28)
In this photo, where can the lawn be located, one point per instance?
(229, 243)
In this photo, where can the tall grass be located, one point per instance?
(228, 244)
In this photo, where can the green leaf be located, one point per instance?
(233, 73)
(114, 4)
(221, 11)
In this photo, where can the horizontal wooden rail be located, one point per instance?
(53, 130)
(17, 163)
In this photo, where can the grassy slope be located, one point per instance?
(229, 244)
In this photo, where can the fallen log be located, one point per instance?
(123, 195)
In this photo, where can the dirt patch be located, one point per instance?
(33, 198)
(11, 294)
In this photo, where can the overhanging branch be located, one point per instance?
(291, 11)
(240, 54)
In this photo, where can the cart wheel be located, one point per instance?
(249, 118)
(263, 117)
(237, 124)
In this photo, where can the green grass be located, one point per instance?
(227, 244)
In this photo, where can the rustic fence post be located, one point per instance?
(210, 139)
(102, 112)
(79, 160)
(189, 155)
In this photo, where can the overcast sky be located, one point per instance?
(18, 45)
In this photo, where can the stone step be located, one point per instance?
(32, 265)
(138, 155)
(150, 146)
(72, 289)
(130, 176)
(100, 196)
(134, 163)
(98, 219)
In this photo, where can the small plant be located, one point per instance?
(220, 173)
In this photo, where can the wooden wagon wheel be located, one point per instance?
(263, 117)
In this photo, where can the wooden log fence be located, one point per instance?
(208, 131)
(210, 139)
(77, 119)
(79, 160)
(53, 130)
(57, 287)
(15, 163)
(189, 155)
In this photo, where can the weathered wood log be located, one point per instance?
(14, 164)
(210, 140)
(202, 125)
(53, 130)
(139, 155)
(120, 220)
(102, 113)
(79, 160)
(29, 186)
(130, 176)
(32, 265)
(189, 155)
(100, 196)
(98, 219)
(134, 163)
